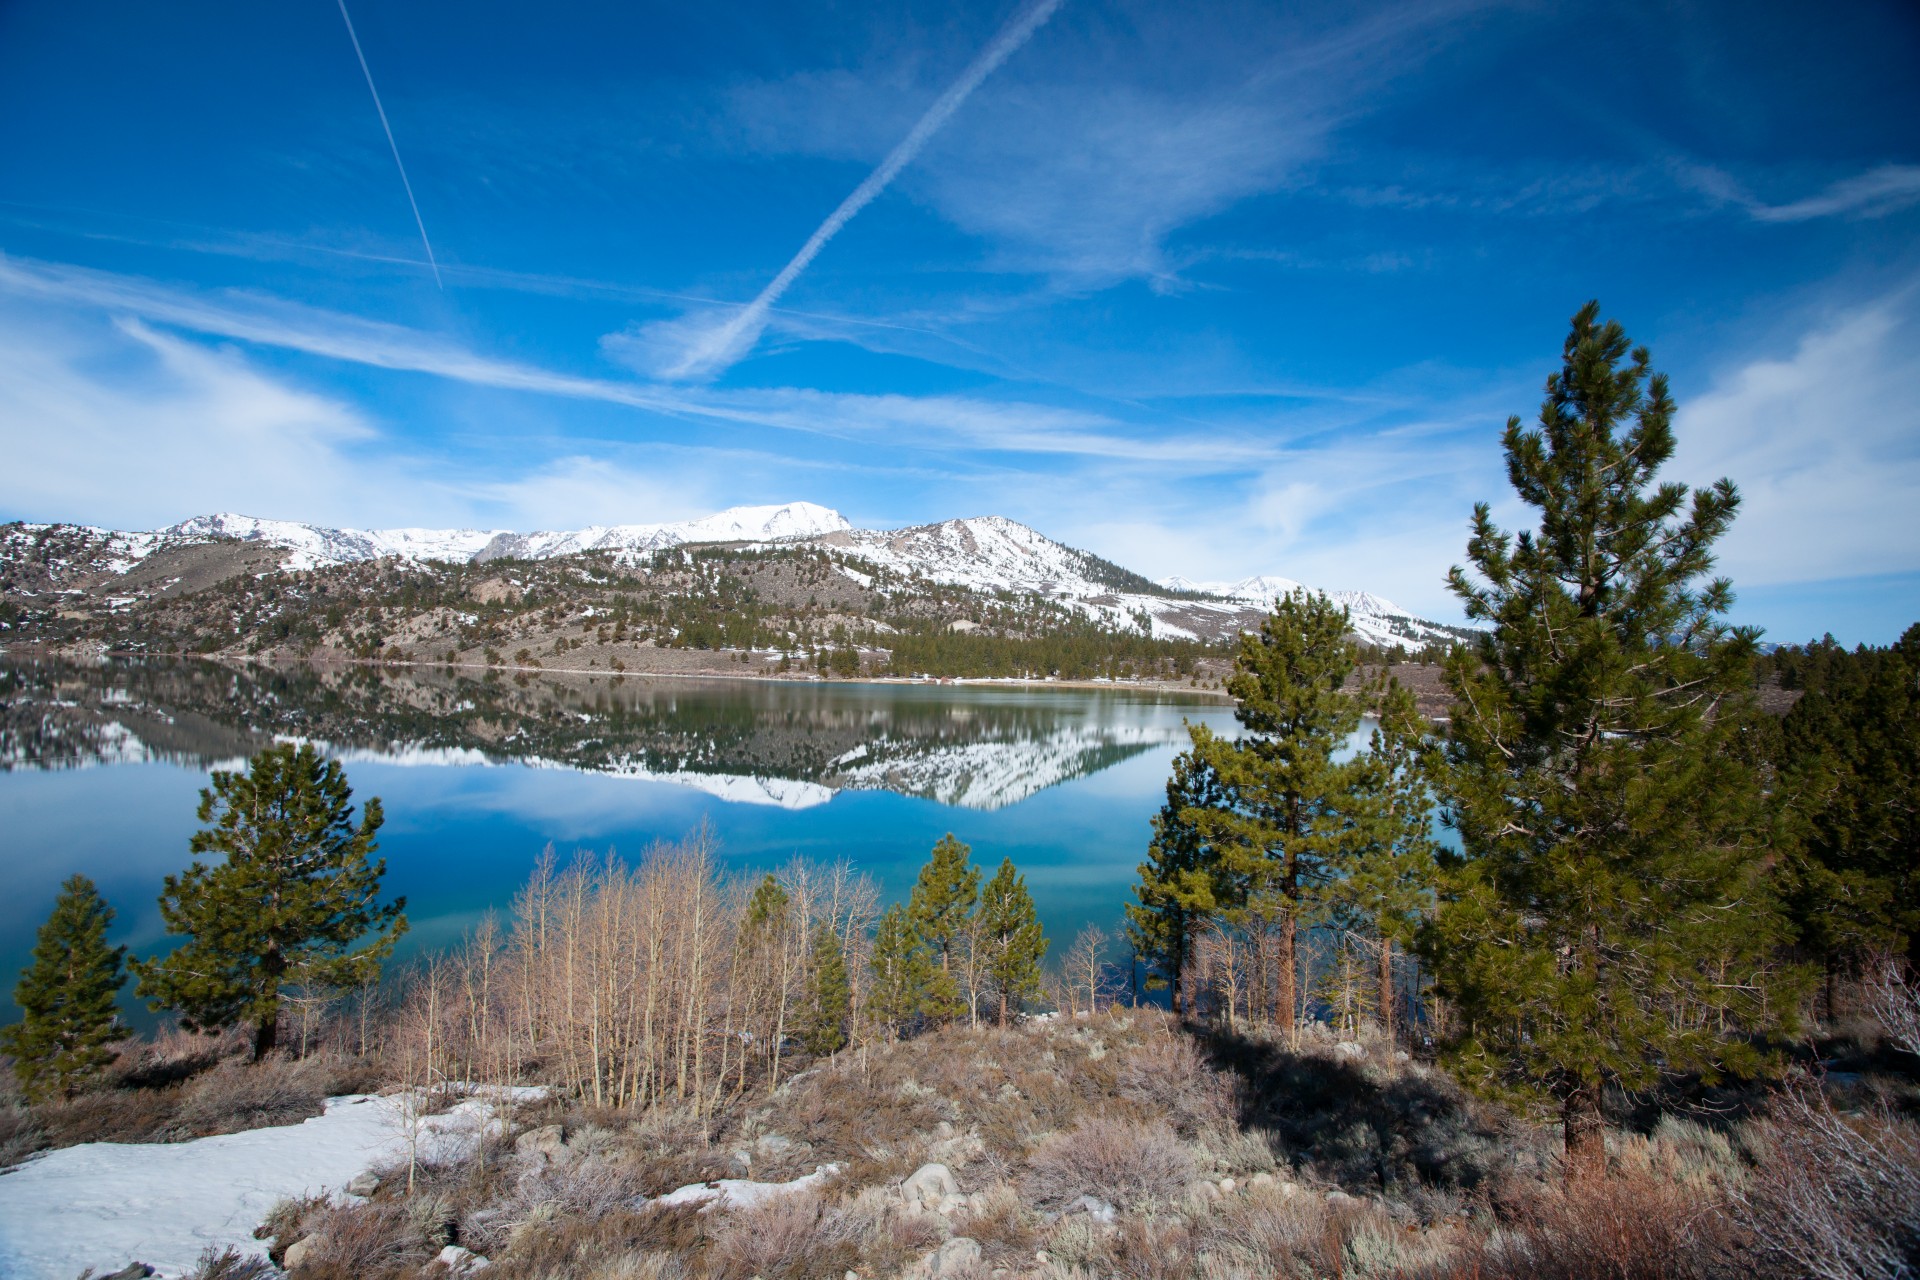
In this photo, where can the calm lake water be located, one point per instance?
(101, 767)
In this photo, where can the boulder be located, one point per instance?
(1094, 1207)
(462, 1262)
(298, 1251)
(928, 1185)
(547, 1144)
(363, 1185)
(956, 1257)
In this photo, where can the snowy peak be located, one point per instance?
(314, 545)
(1262, 589)
(982, 552)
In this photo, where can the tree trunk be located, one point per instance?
(266, 1035)
(1284, 977)
(1386, 988)
(1585, 1130)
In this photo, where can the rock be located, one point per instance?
(1227, 1185)
(948, 1205)
(547, 1144)
(132, 1271)
(1208, 1191)
(1261, 1182)
(364, 1185)
(462, 1262)
(297, 1251)
(740, 1161)
(1350, 1049)
(774, 1144)
(1336, 1199)
(928, 1185)
(1097, 1209)
(956, 1257)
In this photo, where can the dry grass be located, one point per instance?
(1125, 1163)
(790, 1238)
(378, 1241)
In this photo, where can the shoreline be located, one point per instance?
(1164, 688)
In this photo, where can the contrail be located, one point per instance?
(725, 343)
(411, 202)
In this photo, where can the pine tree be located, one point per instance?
(1176, 889)
(1849, 753)
(1387, 888)
(68, 997)
(940, 906)
(1608, 920)
(901, 973)
(829, 997)
(1011, 934)
(294, 903)
(1278, 821)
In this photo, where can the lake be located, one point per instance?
(101, 767)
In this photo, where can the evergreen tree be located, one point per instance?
(940, 906)
(1011, 934)
(1849, 755)
(1608, 920)
(829, 996)
(1175, 893)
(1278, 817)
(901, 972)
(1387, 889)
(294, 903)
(67, 995)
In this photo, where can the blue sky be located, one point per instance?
(1208, 289)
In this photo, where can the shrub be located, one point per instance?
(234, 1097)
(1167, 1075)
(792, 1237)
(1126, 1164)
(1836, 1195)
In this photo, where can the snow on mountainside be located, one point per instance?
(983, 553)
(314, 545)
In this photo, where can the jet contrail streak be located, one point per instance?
(411, 202)
(722, 345)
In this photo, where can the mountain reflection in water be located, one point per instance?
(786, 743)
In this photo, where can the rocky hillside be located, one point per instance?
(759, 588)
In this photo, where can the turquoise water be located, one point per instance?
(103, 767)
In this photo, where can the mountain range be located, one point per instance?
(986, 554)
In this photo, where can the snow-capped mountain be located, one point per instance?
(982, 553)
(315, 545)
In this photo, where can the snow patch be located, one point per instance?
(106, 1204)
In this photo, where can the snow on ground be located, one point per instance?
(741, 1193)
(106, 1204)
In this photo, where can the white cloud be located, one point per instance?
(1824, 444)
(1873, 194)
(141, 428)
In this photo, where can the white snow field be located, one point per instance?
(106, 1204)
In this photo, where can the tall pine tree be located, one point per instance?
(294, 903)
(1011, 935)
(1608, 920)
(901, 973)
(1175, 894)
(68, 997)
(1386, 890)
(829, 995)
(1278, 812)
(941, 906)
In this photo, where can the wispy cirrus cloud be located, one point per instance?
(911, 422)
(1240, 101)
(1876, 193)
